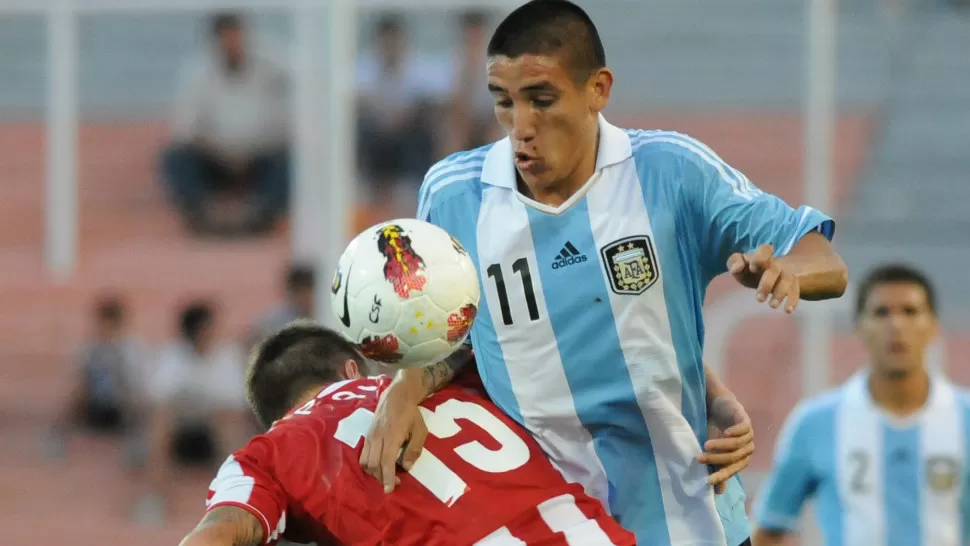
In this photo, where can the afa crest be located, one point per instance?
(631, 264)
(942, 473)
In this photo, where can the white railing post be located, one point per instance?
(340, 176)
(819, 132)
(61, 217)
(309, 130)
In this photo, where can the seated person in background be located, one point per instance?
(299, 283)
(231, 131)
(402, 97)
(105, 396)
(481, 478)
(198, 406)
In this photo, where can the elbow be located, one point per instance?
(839, 278)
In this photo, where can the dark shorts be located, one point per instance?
(102, 418)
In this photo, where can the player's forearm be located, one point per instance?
(423, 382)
(820, 270)
(765, 537)
(226, 526)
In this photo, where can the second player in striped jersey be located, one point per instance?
(885, 455)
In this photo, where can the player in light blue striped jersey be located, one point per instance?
(595, 246)
(884, 456)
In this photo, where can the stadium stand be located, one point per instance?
(723, 73)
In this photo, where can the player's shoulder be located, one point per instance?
(671, 149)
(460, 171)
(961, 396)
(817, 411)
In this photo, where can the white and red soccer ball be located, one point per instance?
(406, 292)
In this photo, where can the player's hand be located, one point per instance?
(766, 274)
(730, 441)
(397, 424)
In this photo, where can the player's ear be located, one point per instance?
(600, 87)
(350, 369)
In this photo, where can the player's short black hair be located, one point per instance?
(302, 356)
(543, 27)
(473, 19)
(300, 277)
(110, 309)
(224, 21)
(389, 23)
(894, 273)
(193, 318)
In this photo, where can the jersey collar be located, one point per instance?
(499, 168)
(941, 396)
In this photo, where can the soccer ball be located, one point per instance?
(406, 292)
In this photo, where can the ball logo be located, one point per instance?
(402, 267)
(460, 322)
(381, 348)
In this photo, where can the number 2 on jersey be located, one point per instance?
(429, 470)
(520, 266)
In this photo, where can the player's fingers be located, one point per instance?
(741, 429)
(736, 263)
(727, 458)
(767, 284)
(412, 449)
(762, 257)
(388, 465)
(371, 458)
(784, 287)
(719, 488)
(794, 296)
(727, 472)
(728, 444)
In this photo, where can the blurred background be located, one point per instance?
(175, 177)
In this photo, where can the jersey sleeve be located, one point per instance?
(792, 480)
(733, 215)
(243, 483)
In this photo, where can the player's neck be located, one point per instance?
(900, 395)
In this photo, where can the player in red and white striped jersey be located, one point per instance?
(481, 479)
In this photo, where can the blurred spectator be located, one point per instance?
(231, 133)
(299, 285)
(401, 97)
(472, 116)
(105, 397)
(199, 407)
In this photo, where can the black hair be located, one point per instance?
(894, 273)
(473, 19)
(543, 27)
(300, 277)
(193, 318)
(389, 23)
(110, 309)
(224, 21)
(302, 356)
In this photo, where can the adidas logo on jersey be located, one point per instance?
(568, 256)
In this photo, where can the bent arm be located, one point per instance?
(226, 526)
(423, 382)
(820, 270)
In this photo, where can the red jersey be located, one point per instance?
(480, 480)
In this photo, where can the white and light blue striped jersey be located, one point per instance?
(590, 332)
(875, 479)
